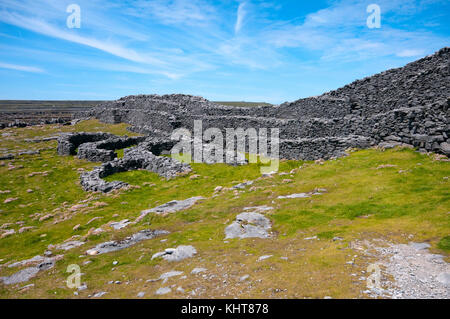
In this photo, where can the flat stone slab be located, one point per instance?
(119, 225)
(69, 245)
(110, 246)
(170, 274)
(262, 208)
(248, 225)
(28, 273)
(198, 270)
(264, 257)
(36, 260)
(176, 254)
(299, 195)
(318, 191)
(242, 185)
(170, 207)
(163, 291)
(20, 276)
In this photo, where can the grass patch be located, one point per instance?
(444, 243)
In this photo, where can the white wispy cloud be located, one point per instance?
(177, 38)
(241, 12)
(339, 32)
(45, 28)
(407, 53)
(23, 68)
(184, 12)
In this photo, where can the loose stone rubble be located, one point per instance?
(417, 273)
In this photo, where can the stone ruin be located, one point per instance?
(100, 147)
(407, 105)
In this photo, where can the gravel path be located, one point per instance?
(417, 273)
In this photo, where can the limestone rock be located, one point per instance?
(110, 246)
(170, 207)
(249, 225)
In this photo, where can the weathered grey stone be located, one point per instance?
(177, 254)
(69, 245)
(164, 277)
(104, 151)
(99, 294)
(69, 142)
(299, 195)
(242, 185)
(20, 276)
(444, 278)
(110, 246)
(445, 147)
(198, 270)
(119, 225)
(262, 208)
(27, 273)
(6, 157)
(180, 253)
(420, 246)
(264, 257)
(170, 207)
(163, 291)
(249, 225)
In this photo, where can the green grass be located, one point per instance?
(361, 202)
(444, 243)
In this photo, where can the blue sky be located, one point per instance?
(272, 51)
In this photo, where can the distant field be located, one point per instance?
(70, 106)
(34, 105)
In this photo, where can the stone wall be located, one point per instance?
(101, 147)
(138, 157)
(408, 104)
(104, 151)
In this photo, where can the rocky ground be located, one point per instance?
(315, 229)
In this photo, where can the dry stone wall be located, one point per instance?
(408, 104)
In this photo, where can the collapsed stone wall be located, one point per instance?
(69, 142)
(138, 157)
(101, 147)
(104, 151)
